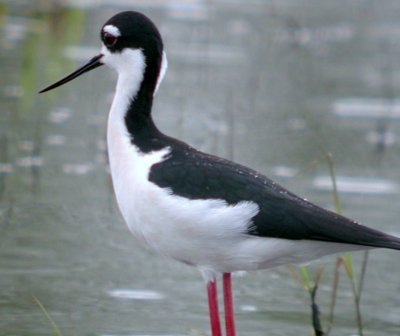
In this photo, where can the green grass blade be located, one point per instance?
(306, 277)
(53, 324)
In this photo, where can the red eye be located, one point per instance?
(109, 39)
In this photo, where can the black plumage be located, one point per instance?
(192, 174)
(195, 175)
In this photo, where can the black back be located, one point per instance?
(192, 174)
(195, 175)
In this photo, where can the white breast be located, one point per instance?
(209, 234)
(193, 231)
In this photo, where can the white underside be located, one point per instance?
(208, 234)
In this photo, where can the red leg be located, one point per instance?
(228, 305)
(213, 307)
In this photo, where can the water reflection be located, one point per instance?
(368, 108)
(30, 161)
(80, 53)
(357, 185)
(284, 171)
(55, 140)
(274, 85)
(6, 168)
(59, 115)
(136, 294)
(248, 308)
(78, 168)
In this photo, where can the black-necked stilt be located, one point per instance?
(202, 210)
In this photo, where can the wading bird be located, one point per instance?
(197, 208)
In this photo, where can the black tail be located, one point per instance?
(330, 226)
(381, 239)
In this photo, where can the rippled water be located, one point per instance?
(273, 85)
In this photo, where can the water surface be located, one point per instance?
(273, 85)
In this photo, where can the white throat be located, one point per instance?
(130, 65)
(129, 166)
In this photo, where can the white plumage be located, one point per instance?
(217, 216)
(209, 234)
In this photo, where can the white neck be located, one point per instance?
(130, 65)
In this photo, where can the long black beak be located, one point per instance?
(92, 64)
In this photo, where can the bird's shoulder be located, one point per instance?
(194, 174)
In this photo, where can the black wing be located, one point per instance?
(195, 175)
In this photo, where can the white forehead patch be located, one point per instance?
(112, 30)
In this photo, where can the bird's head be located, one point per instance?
(132, 45)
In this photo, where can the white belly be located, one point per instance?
(193, 231)
(209, 234)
